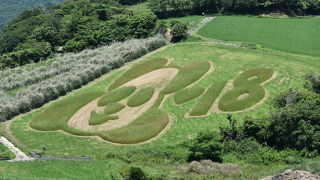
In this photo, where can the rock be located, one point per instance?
(294, 175)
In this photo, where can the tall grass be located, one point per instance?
(249, 84)
(206, 101)
(189, 94)
(141, 97)
(116, 95)
(65, 74)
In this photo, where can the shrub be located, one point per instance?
(179, 32)
(206, 145)
(135, 173)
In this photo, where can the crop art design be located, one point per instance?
(130, 112)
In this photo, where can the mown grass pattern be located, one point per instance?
(186, 76)
(206, 101)
(114, 108)
(97, 119)
(139, 70)
(144, 128)
(116, 95)
(293, 35)
(141, 97)
(247, 83)
(187, 95)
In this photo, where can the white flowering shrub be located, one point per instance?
(65, 73)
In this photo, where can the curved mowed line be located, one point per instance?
(97, 119)
(141, 97)
(144, 128)
(139, 70)
(116, 95)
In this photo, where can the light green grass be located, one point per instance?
(138, 71)
(5, 153)
(187, 95)
(206, 101)
(147, 126)
(114, 108)
(294, 35)
(244, 85)
(191, 21)
(141, 97)
(163, 154)
(97, 119)
(116, 95)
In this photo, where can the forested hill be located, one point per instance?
(71, 26)
(9, 9)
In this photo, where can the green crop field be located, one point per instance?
(294, 35)
(202, 71)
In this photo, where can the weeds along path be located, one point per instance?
(20, 156)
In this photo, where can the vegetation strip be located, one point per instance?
(207, 99)
(187, 95)
(141, 97)
(116, 95)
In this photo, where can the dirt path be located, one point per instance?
(20, 156)
(200, 25)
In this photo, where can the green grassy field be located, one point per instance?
(161, 155)
(191, 21)
(294, 35)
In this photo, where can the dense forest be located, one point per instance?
(168, 8)
(72, 26)
(10, 9)
(79, 24)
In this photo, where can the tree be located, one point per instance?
(206, 145)
(179, 32)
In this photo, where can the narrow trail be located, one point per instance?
(200, 25)
(20, 156)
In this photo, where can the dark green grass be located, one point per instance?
(294, 35)
(247, 83)
(97, 119)
(141, 97)
(206, 101)
(186, 76)
(57, 116)
(116, 95)
(5, 153)
(139, 70)
(114, 108)
(253, 76)
(187, 95)
(147, 126)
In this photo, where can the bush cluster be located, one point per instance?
(70, 27)
(65, 74)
